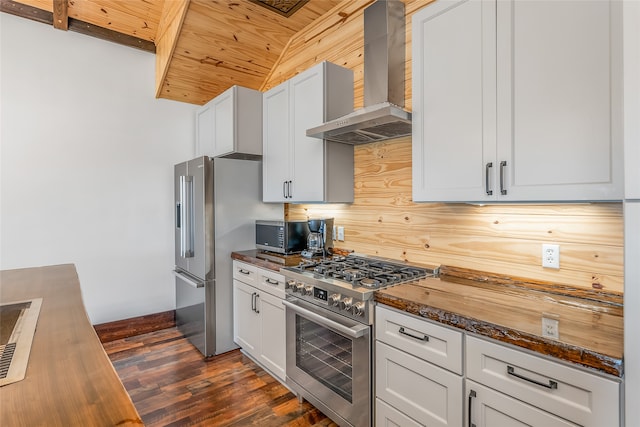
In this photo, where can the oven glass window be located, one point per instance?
(326, 356)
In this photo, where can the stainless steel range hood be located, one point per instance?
(383, 116)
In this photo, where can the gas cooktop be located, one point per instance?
(362, 271)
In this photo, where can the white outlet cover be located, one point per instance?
(551, 256)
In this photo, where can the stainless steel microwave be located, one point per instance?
(283, 237)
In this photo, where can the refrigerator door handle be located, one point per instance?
(188, 281)
(186, 212)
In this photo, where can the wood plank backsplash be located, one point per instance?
(502, 238)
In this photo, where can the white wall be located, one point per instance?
(87, 157)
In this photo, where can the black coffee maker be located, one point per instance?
(320, 239)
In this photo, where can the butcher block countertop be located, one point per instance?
(69, 378)
(590, 324)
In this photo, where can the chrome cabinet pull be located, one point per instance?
(486, 178)
(253, 301)
(284, 189)
(502, 166)
(243, 271)
(424, 338)
(552, 385)
(271, 281)
(472, 394)
(257, 310)
(289, 192)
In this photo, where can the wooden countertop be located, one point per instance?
(590, 331)
(69, 378)
(268, 260)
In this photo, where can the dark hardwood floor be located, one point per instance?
(171, 384)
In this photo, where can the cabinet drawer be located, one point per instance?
(388, 416)
(245, 273)
(271, 282)
(578, 396)
(422, 338)
(428, 394)
(488, 408)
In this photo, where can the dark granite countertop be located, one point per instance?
(590, 330)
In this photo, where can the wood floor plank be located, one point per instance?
(171, 384)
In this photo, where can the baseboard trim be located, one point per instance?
(126, 328)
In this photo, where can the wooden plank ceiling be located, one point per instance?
(203, 47)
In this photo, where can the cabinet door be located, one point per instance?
(272, 326)
(245, 318)
(489, 408)
(424, 392)
(559, 99)
(453, 101)
(204, 130)
(306, 109)
(275, 143)
(224, 123)
(388, 416)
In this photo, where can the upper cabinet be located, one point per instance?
(297, 168)
(230, 125)
(517, 101)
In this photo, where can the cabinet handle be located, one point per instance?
(552, 385)
(472, 394)
(502, 165)
(289, 192)
(284, 189)
(486, 178)
(271, 281)
(257, 310)
(243, 271)
(253, 301)
(424, 338)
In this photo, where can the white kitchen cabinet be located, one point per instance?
(547, 387)
(489, 408)
(297, 168)
(258, 316)
(230, 125)
(505, 112)
(408, 383)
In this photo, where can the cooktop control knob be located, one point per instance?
(290, 284)
(346, 302)
(334, 299)
(308, 290)
(299, 287)
(358, 308)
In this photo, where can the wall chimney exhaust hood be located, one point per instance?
(383, 116)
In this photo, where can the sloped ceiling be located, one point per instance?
(202, 46)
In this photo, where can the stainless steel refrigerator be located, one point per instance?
(216, 204)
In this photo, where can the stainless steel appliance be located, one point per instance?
(283, 237)
(383, 116)
(329, 315)
(320, 239)
(216, 204)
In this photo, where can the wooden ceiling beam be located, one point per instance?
(173, 14)
(61, 14)
(23, 11)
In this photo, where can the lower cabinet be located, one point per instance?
(489, 408)
(258, 316)
(549, 393)
(427, 374)
(417, 378)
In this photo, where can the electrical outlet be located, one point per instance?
(550, 328)
(551, 256)
(341, 234)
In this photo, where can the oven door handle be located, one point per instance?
(356, 331)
